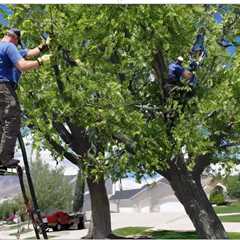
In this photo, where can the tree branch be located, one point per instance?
(202, 162)
(80, 140)
(129, 144)
(60, 149)
(227, 145)
(159, 65)
(63, 132)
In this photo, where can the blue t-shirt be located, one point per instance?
(17, 73)
(9, 56)
(175, 72)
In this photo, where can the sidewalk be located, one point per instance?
(228, 214)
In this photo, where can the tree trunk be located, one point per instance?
(79, 192)
(190, 193)
(101, 218)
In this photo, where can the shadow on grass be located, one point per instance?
(131, 231)
(146, 233)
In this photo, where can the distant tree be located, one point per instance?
(7, 208)
(233, 189)
(78, 199)
(52, 188)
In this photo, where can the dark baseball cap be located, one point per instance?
(15, 32)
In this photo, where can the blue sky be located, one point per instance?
(4, 10)
(218, 19)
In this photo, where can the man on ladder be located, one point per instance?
(12, 64)
(176, 71)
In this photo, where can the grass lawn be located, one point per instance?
(131, 231)
(233, 208)
(162, 234)
(231, 218)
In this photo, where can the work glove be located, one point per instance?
(44, 44)
(193, 66)
(45, 58)
(78, 62)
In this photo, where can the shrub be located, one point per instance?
(217, 198)
(233, 189)
(7, 208)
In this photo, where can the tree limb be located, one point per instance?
(63, 132)
(80, 140)
(60, 149)
(202, 162)
(159, 65)
(129, 144)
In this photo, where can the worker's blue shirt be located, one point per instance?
(175, 72)
(9, 56)
(17, 73)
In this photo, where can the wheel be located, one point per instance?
(57, 227)
(80, 226)
(81, 223)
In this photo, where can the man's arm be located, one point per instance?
(25, 65)
(33, 52)
(187, 74)
(18, 60)
(39, 49)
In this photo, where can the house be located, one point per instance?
(210, 184)
(155, 197)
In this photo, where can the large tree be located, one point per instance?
(80, 101)
(108, 112)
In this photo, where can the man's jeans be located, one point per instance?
(10, 121)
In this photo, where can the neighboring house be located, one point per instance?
(210, 184)
(154, 197)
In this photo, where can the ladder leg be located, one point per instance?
(31, 188)
(26, 201)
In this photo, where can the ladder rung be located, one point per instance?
(6, 171)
